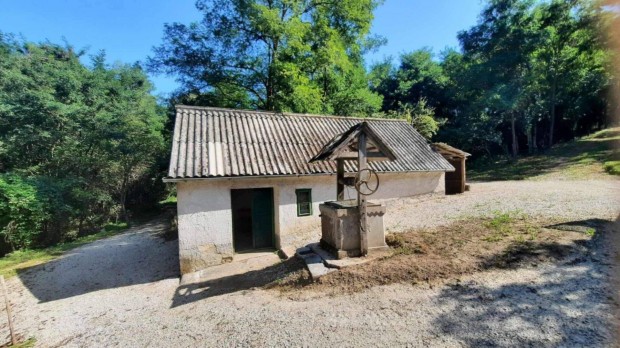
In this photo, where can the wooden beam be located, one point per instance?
(350, 155)
(361, 199)
(340, 180)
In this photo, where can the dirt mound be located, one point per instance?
(445, 252)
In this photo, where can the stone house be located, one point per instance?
(244, 182)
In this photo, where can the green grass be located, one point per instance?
(27, 343)
(596, 155)
(500, 220)
(612, 167)
(590, 231)
(169, 202)
(12, 263)
(500, 223)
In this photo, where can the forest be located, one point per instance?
(84, 142)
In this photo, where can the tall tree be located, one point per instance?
(501, 43)
(289, 55)
(569, 56)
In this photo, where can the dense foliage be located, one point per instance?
(529, 74)
(285, 55)
(77, 143)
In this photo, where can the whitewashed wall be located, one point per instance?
(205, 216)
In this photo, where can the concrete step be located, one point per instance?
(315, 265)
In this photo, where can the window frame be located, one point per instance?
(297, 193)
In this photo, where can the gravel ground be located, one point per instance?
(564, 200)
(124, 291)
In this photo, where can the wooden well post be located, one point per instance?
(362, 164)
(340, 179)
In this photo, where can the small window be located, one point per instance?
(304, 202)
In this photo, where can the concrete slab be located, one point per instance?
(315, 266)
(320, 262)
(241, 263)
(319, 270)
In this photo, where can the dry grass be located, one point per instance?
(468, 246)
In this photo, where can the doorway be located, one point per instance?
(253, 221)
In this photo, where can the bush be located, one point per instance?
(33, 210)
(612, 167)
(22, 213)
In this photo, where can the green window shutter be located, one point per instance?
(304, 202)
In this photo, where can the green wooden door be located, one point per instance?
(262, 217)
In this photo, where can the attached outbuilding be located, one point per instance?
(244, 181)
(456, 180)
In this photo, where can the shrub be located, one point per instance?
(612, 167)
(22, 213)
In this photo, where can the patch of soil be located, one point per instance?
(446, 252)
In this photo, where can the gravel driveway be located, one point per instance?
(121, 291)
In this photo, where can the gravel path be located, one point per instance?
(566, 200)
(124, 291)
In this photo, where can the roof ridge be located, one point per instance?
(275, 113)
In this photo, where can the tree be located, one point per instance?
(529, 73)
(77, 138)
(420, 116)
(285, 55)
(417, 77)
(500, 44)
(569, 60)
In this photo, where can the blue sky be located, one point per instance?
(128, 29)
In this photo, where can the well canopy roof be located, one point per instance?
(345, 146)
(215, 142)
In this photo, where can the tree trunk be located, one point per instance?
(535, 137)
(530, 142)
(271, 90)
(123, 197)
(515, 145)
(123, 207)
(552, 113)
(269, 97)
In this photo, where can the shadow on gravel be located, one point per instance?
(254, 279)
(571, 305)
(139, 256)
(584, 226)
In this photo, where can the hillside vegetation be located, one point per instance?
(593, 156)
(79, 144)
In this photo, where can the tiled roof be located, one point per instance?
(214, 142)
